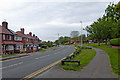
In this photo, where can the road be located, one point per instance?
(21, 67)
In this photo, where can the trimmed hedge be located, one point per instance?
(115, 42)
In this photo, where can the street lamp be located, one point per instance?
(81, 33)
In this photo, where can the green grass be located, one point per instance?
(113, 56)
(95, 45)
(85, 56)
(9, 55)
(42, 49)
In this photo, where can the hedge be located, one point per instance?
(115, 42)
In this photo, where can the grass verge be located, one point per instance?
(85, 56)
(9, 55)
(114, 56)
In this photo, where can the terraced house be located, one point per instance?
(16, 42)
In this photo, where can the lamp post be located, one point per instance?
(58, 39)
(81, 33)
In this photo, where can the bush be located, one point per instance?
(115, 42)
(23, 52)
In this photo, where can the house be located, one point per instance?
(15, 42)
(11, 41)
(0, 40)
(24, 38)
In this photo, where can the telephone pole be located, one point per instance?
(81, 34)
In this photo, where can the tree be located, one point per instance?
(74, 34)
(108, 26)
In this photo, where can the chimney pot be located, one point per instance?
(33, 35)
(30, 33)
(5, 24)
(22, 30)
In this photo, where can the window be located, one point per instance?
(19, 46)
(9, 37)
(34, 46)
(3, 36)
(27, 39)
(10, 47)
(18, 38)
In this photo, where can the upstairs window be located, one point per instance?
(3, 36)
(9, 37)
(18, 38)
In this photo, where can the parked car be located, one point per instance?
(54, 44)
(44, 46)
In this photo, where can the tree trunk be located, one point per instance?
(98, 43)
(106, 42)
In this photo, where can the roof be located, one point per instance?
(21, 34)
(28, 35)
(5, 31)
(12, 32)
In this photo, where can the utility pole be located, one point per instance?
(81, 34)
(58, 39)
(58, 36)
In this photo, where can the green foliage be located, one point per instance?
(9, 55)
(63, 40)
(95, 45)
(107, 27)
(23, 52)
(42, 49)
(115, 42)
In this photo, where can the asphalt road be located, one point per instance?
(19, 68)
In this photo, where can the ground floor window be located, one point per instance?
(34, 46)
(19, 46)
(10, 47)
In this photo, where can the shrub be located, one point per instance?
(115, 42)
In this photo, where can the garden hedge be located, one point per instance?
(115, 42)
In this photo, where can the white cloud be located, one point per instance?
(46, 19)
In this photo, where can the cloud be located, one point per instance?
(47, 19)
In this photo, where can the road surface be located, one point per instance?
(21, 67)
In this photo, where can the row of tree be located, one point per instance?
(107, 27)
(74, 35)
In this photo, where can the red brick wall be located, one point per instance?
(116, 47)
(0, 41)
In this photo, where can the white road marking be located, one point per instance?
(12, 65)
(42, 57)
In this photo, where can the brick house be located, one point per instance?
(11, 41)
(0, 40)
(15, 42)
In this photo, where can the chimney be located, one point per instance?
(22, 30)
(5, 24)
(36, 36)
(30, 33)
(33, 35)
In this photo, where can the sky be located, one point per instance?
(47, 18)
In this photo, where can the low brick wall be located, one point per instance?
(116, 47)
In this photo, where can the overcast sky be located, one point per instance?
(48, 18)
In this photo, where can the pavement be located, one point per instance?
(25, 54)
(24, 66)
(99, 67)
